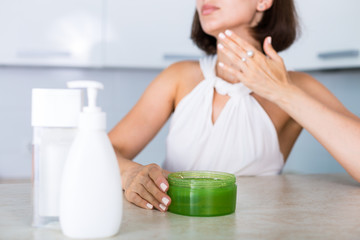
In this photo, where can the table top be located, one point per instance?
(323, 206)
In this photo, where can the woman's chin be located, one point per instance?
(212, 29)
(212, 32)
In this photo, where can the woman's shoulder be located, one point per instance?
(184, 69)
(187, 75)
(315, 89)
(178, 74)
(306, 82)
(300, 77)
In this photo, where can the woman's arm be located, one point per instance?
(146, 186)
(319, 112)
(307, 101)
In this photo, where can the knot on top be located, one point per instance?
(231, 89)
(221, 86)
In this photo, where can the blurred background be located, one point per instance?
(126, 44)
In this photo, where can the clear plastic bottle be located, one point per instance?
(54, 120)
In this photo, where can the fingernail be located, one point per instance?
(165, 201)
(162, 207)
(220, 46)
(221, 35)
(163, 187)
(149, 206)
(228, 32)
(221, 64)
(269, 40)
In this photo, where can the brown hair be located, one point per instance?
(279, 22)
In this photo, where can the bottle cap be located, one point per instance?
(55, 107)
(91, 117)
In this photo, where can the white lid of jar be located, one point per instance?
(55, 107)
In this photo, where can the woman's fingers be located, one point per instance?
(232, 45)
(146, 194)
(263, 75)
(138, 200)
(158, 182)
(270, 51)
(238, 60)
(148, 188)
(156, 174)
(226, 75)
(163, 200)
(244, 45)
(239, 76)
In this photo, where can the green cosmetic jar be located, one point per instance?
(202, 193)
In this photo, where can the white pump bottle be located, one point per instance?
(91, 190)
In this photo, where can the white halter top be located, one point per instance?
(243, 140)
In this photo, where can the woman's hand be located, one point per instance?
(307, 101)
(146, 187)
(264, 75)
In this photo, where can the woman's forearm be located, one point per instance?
(337, 132)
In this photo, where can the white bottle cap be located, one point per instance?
(91, 117)
(55, 107)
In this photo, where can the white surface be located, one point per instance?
(148, 33)
(327, 27)
(91, 190)
(55, 107)
(55, 33)
(272, 207)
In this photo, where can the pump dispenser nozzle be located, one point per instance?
(92, 88)
(91, 117)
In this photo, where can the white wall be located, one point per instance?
(122, 89)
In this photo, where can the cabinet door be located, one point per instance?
(330, 35)
(43, 32)
(150, 34)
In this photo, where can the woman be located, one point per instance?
(238, 109)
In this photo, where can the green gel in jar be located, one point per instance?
(202, 193)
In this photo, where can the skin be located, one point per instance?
(292, 100)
